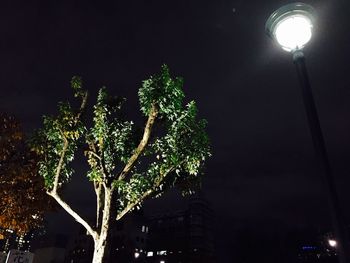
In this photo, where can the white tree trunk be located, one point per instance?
(100, 242)
(99, 251)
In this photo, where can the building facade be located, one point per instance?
(180, 236)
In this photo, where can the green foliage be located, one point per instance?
(77, 86)
(164, 91)
(48, 142)
(182, 149)
(110, 139)
(174, 156)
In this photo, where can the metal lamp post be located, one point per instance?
(291, 27)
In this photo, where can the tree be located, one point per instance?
(23, 198)
(126, 166)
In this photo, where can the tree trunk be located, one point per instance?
(100, 242)
(100, 251)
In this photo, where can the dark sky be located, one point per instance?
(263, 169)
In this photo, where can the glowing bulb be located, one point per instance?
(293, 32)
(291, 25)
(332, 243)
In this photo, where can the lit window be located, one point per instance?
(161, 253)
(136, 254)
(150, 254)
(162, 261)
(143, 229)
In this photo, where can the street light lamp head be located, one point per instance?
(291, 26)
(332, 242)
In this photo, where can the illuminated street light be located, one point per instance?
(332, 242)
(291, 27)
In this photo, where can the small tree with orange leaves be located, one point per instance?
(23, 199)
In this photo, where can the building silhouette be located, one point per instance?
(127, 241)
(51, 249)
(81, 248)
(13, 241)
(180, 236)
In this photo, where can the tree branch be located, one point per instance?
(65, 144)
(82, 107)
(145, 194)
(108, 193)
(60, 165)
(100, 158)
(146, 135)
(99, 204)
(53, 192)
(94, 154)
(75, 215)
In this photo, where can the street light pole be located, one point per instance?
(322, 157)
(291, 27)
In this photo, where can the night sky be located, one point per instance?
(263, 171)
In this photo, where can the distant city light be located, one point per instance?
(137, 254)
(309, 248)
(35, 216)
(162, 261)
(332, 242)
(150, 254)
